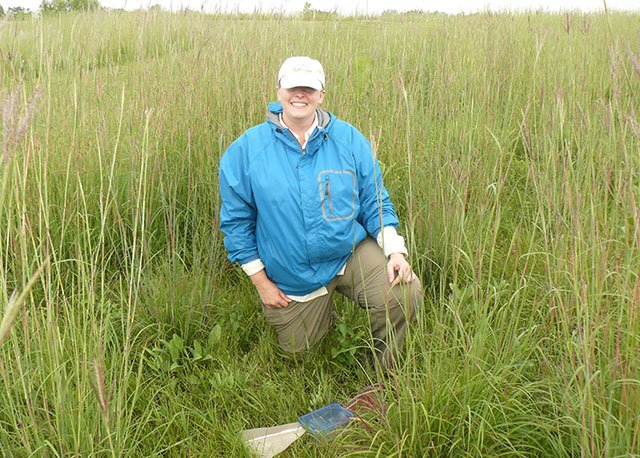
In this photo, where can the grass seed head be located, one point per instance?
(9, 317)
(14, 124)
(634, 60)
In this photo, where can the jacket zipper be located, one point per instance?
(327, 193)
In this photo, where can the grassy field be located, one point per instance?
(510, 146)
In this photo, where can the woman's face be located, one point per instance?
(299, 104)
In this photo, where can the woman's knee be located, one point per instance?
(416, 297)
(409, 297)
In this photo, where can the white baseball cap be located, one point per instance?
(301, 71)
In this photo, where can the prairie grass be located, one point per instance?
(509, 144)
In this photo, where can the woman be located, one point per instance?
(305, 213)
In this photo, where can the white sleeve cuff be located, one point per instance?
(391, 242)
(252, 267)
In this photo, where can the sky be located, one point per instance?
(361, 6)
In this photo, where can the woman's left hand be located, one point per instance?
(399, 269)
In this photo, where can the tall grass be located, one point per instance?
(509, 144)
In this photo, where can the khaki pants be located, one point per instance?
(301, 325)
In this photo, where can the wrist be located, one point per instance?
(259, 278)
(396, 255)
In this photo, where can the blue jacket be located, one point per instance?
(301, 214)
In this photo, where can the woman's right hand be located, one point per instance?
(270, 295)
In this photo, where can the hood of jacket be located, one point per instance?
(275, 110)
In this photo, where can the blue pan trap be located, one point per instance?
(326, 419)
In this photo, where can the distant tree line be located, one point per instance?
(308, 13)
(65, 6)
(49, 7)
(15, 12)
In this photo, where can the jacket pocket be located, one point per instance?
(337, 194)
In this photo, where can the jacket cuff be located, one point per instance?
(391, 242)
(252, 267)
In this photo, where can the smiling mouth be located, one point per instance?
(299, 104)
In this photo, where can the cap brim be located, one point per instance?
(290, 81)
